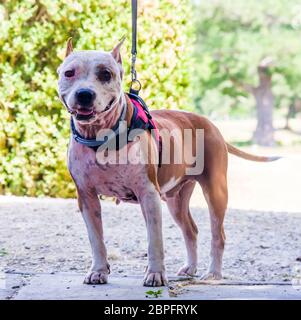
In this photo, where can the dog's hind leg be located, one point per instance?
(216, 194)
(179, 209)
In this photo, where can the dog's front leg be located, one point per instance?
(151, 208)
(91, 211)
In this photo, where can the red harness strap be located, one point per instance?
(142, 119)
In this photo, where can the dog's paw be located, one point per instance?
(155, 279)
(187, 270)
(94, 277)
(211, 276)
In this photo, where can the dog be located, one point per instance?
(90, 87)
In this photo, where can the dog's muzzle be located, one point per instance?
(85, 98)
(83, 113)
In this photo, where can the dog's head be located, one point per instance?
(90, 82)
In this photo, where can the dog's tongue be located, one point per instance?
(84, 114)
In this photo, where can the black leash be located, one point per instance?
(135, 82)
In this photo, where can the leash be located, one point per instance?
(135, 86)
(135, 82)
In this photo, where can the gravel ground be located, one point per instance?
(48, 235)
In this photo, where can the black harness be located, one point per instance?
(141, 119)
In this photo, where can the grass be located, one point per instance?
(3, 252)
(154, 294)
(245, 143)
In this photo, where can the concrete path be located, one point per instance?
(64, 286)
(10, 284)
(68, 286)
(230, 290)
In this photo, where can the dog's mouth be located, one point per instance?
(84, 114)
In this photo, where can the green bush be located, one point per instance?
(34, 126)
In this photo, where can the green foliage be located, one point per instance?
(3, 252)
(34, 126)
(233, 36)
(154, 294)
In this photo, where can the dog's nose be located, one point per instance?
(85, 97)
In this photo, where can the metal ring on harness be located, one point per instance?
(135, 82)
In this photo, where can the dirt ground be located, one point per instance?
(263, 228)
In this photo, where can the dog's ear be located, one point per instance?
(69, 47)
(116, 51)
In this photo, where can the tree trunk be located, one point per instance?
(264, 133)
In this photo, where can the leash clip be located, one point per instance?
(135, 82)
(133, 70)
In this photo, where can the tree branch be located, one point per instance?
(246, 86)
(241, 84)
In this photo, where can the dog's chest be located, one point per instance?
(123, 181)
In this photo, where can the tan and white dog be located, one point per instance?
(90, 86)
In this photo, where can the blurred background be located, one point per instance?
(236, 62)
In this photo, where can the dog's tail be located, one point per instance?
(248, 156)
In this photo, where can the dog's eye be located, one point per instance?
(104, 75)
(69, 73)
